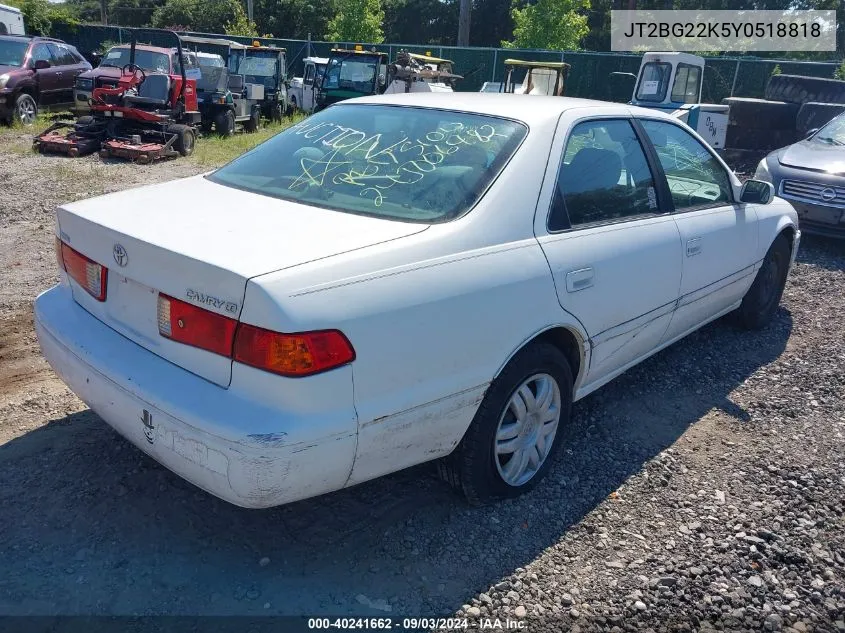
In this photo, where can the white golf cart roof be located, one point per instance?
(317, 60)
(673, 58)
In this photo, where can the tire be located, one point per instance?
(475, 468)
(759, 113)
(254, 121)
(185, 139)
(293, 106)
(26, 109)
(762, 299)
(277, 112)
(799, 89)
(224, 123)
(814, 115)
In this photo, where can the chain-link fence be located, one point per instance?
(588, 76)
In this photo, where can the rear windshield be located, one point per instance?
(411, 164)
(12, 52)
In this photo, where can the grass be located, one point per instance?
(212, 151)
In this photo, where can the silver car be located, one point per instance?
(811, 175)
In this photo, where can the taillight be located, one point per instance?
(84, 271)
(294, 355)
(188, 324)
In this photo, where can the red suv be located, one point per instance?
(36, 72)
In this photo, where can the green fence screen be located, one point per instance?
(588, 77)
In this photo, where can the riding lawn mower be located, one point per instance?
(145, 117)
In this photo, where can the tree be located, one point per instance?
(357, 21)
(549, 24)
(205, 16)
(36, 16)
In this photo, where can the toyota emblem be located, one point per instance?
(121, 257)
(828, 194)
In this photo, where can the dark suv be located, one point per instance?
(36, 72)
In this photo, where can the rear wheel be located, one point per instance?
(254, 121)
(516, 431)
(26, 110)
(185, 138)
(761, 301)
(224, 123)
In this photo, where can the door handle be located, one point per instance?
(579, 279)
(693, 246)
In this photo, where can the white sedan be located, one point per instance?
(403, 279)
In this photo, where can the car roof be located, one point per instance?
(527, 108)
(32, 38)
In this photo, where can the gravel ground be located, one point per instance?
(702, 490)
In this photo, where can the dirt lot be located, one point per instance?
(703, 489)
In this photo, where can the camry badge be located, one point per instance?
(120, 255)
(828, 194)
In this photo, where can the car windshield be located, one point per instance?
(654, 81)
(151, 61)
(12, 52)
(353, 72)
(402, 163)
(833, 133)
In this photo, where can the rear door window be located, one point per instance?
(604, 176)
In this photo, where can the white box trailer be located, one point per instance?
(672, 82)
(11, 21)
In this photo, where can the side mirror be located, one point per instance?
(41, 64)
(757, 192)
(381, 80)
(811, 132)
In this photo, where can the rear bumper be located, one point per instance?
(141, 396)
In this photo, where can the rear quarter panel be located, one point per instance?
(433, 317)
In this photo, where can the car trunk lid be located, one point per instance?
(200, 242)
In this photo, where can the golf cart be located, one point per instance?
(420, 73)
(352, 73)
(541, 78)
(222, 107)
(672, 82)
(257, 77)
(145, 117)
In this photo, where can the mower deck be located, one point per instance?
(141, 153)
(74, 143)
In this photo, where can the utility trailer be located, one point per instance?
(672, 82)
(11, 21)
